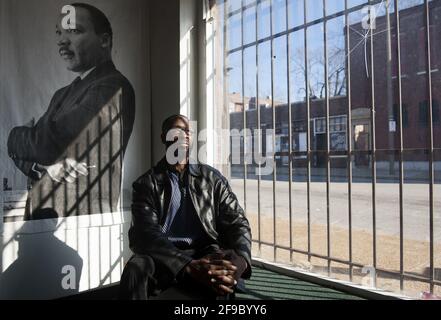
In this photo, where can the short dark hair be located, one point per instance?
(167, 123)
(99, 20)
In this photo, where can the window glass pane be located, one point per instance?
(234, 31)
(354, 3)
(296, 13)
(250, 72)
(264, 19)
(297, 66)
(314, 10)
(249, 25)
(334, 6)
(279, 16)
(316, 67)
(233, 5)
(252, 139)
(280, 92)
(286, 87)
(236, 108)
(336, 59)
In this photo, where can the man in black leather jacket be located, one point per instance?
(188, 230)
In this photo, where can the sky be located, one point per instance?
(315, 39)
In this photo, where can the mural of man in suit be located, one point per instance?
(73, 155)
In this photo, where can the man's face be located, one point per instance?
(80, 48)
(178, 135)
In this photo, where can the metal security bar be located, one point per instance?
(350, 152)
(328, 142)
(401, 165)
(245, 167)
(259, 137)
(349, 137)
(373, 155)
(290, 171)
(431, 144)
(308, 128)
(274, 130)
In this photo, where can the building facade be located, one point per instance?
(374, 100)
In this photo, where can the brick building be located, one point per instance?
(415, 93)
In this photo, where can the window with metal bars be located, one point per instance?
(338, 86)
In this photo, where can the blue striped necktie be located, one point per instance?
(175, 202)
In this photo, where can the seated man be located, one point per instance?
(188, 229)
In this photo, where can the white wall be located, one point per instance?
(164, 55)
(189, 31)
(175, 64)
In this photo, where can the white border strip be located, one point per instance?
(66, 223)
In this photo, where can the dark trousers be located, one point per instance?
(142, 279)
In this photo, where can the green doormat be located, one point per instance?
(268, 285)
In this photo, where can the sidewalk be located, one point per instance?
(416, 257)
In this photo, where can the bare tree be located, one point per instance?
(316, 71)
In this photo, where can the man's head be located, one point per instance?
(176, 131)
(90, 43)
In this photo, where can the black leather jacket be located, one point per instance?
(221, 215)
